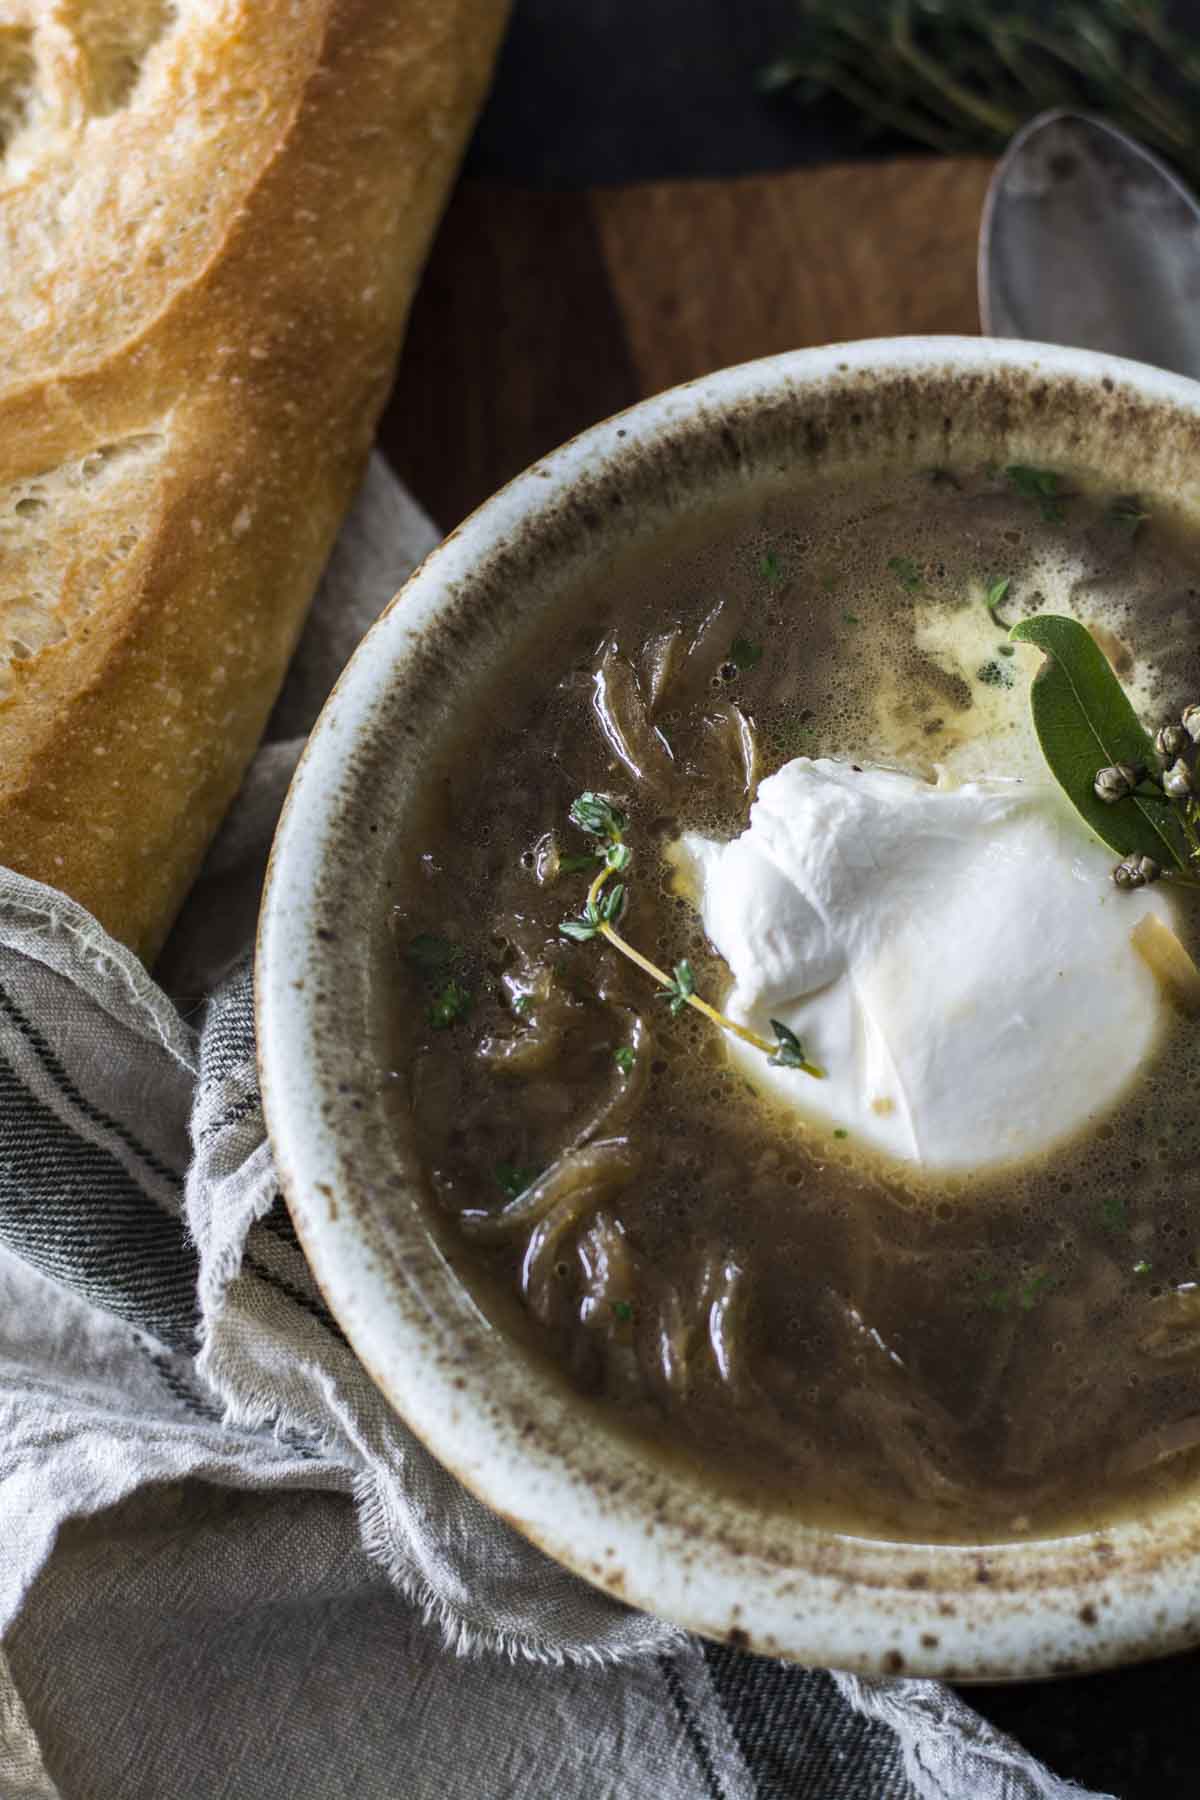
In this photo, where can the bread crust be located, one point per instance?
(185, 426)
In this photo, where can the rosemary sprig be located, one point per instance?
(959, 75)
(597, 816)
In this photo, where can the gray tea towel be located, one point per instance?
(227, 1571)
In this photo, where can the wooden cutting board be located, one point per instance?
(542, 312)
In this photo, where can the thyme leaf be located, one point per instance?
(1042, 485)
(601, 911)
(598, 816)
(789, 1051)
(449, 1006)
(680, 988)
(995, 600)
(906, 572)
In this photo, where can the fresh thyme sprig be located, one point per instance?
(597, 816)
(960, 75)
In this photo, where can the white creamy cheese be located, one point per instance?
(956, 957)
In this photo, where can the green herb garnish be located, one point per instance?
(789, 1051)
(1141, 1268)
(521, 1003)
(744, 653)
(449, 1006)
(680, 989)
(841, 1132)
(597, 816)
(596, 914)
(994, 600)
(625, 1059)
(513, 1179)
(1042, 485)
(577, 861)
(769, 569)
(906, 572)
(622, 1311)
(851, 619)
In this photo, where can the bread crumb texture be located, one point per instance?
(213, 214)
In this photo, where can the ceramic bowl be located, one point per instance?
(503, 1423)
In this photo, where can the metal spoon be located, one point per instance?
(1088, 239)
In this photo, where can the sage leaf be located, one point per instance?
(1084, 722)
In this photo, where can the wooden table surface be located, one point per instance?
(543, 312)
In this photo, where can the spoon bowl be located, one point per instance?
(1088, 239)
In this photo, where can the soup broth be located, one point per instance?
(857, 1340)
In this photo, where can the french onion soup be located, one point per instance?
(792, 1064)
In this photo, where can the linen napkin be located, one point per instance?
(226, 1567)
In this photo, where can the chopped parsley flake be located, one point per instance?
(625, 1059)
(849, 618)
(622, 1311)
(1141, 1268)
(769, 569)
(841, 1132)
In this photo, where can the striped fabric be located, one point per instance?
(226, 1568)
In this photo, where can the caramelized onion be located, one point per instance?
(598, 1168)
(625, 722)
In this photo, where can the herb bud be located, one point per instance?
(1177, 782)
(1136, 872)
(1191, 722)
(1171, 742)
(1128, 874)
(1116, 781)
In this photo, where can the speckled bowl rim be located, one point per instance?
(489, 1414)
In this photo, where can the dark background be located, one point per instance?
(519, 339)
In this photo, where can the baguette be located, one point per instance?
(213, 214)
